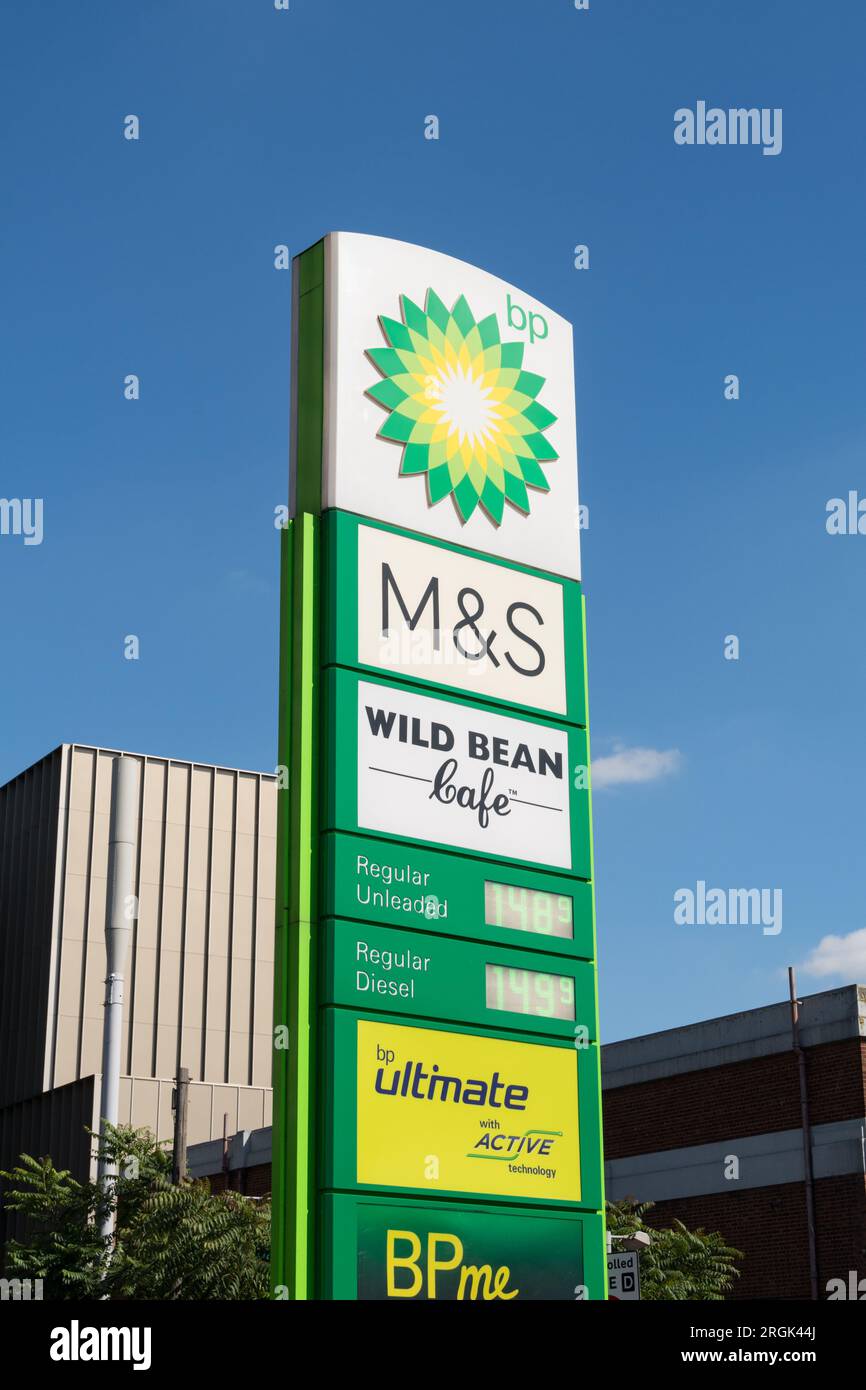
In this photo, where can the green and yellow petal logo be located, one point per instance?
(462, 406)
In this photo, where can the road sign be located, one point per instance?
(623, 1276)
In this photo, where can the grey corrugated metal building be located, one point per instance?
(200, 970)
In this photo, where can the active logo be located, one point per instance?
(462, 406)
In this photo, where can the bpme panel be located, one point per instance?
(416, 1250)
(437, 1128)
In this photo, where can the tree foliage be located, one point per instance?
(171, 1242)
(678, 1263)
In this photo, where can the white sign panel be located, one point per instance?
(449, 403)
(433, 770)
(440, 616)
(623, 1276)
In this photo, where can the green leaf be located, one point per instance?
(397, 333)
(437, 312)
(463, 316)
(387, 393)
(387, 360)
(398, 427)
(416, 458)
(438, 483)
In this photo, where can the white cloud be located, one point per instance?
(839, 955)
(627, 765)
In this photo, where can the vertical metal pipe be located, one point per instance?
(120, 912)
(181, 1104)
(807, 1133)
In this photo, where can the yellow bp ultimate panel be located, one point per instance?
(467, 1113)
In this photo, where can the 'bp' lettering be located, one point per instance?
(444, 1253)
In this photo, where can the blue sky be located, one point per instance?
(707, 516)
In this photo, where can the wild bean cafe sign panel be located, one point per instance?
(452, 773)
(437, 1128)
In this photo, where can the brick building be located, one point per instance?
(705, 1121)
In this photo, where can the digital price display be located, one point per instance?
(529, 992)
(528, 909)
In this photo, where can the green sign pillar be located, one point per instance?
(437, 1116)
(296, 940)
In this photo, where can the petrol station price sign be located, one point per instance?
(419, 888)
(437, 1125)
(374, 967)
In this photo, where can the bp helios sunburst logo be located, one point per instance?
(463, 407)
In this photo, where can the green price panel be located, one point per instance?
(391, 1250)
(383, 968)
(438, 977)
(455, 1111)
(443, 771)
(425, 610)
(405, 885)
